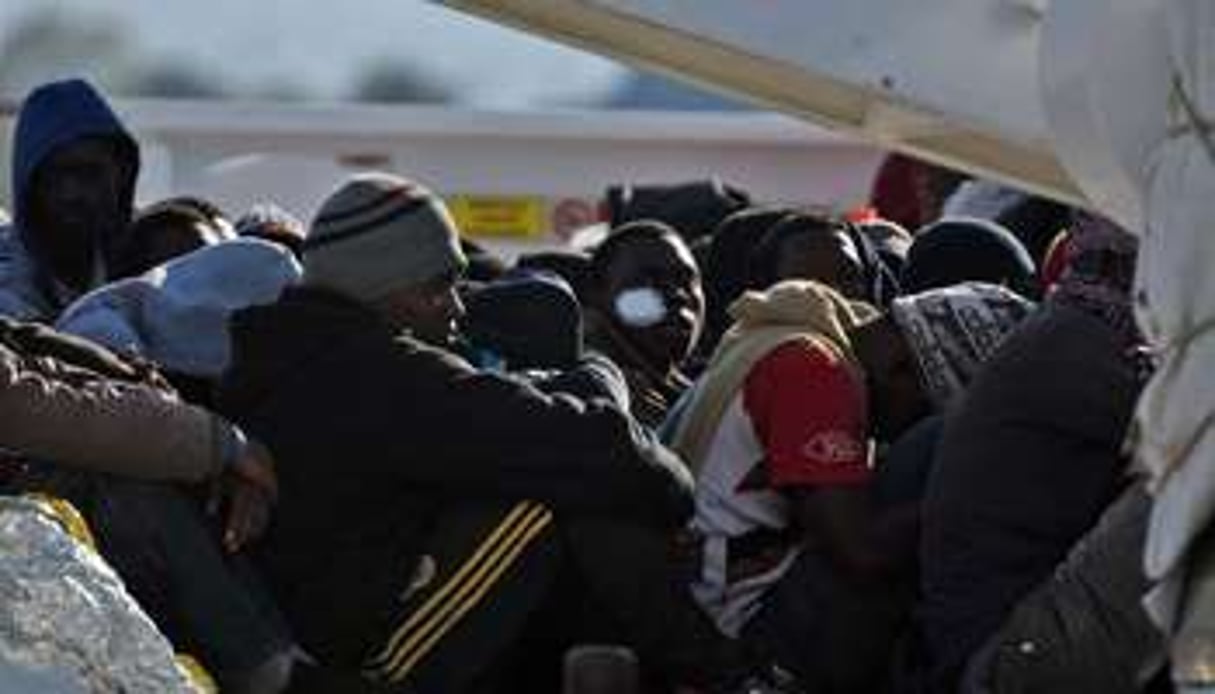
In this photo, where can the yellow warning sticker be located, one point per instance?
(502, 216)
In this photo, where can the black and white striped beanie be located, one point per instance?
(378, 233)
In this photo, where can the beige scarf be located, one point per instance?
(795, 311)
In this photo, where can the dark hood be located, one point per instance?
(54, 115)
(534, 321)
(276, 343)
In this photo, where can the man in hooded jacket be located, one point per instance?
(73, 181)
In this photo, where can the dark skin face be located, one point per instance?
(896, 396)
(75, 199)
(829, 257)
(666, 265)
(431, 310)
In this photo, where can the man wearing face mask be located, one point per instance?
(647, 312)
(73, 181)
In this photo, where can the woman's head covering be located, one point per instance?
(962, 249)
(953, 330)
(1099, 273)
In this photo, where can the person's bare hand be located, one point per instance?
(246, 493)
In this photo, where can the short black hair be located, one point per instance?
(764, 258)
(621, 238)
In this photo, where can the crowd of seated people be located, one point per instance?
(767, 449)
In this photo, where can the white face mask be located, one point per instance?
(640, 307)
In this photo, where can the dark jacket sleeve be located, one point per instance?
(500, 436)
(51, 412)
(594, 378)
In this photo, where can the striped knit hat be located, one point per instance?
(378, 233)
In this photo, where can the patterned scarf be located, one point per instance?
(1098, 278)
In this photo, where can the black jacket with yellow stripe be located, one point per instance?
(376, 435)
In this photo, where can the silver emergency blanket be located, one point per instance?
(66, 622)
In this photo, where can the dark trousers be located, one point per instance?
(834, 634)
(475, 615)
(640, 587)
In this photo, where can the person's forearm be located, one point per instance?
(108, 426)
(577, 455)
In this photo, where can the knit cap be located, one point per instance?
(953, 330)
(378, 233)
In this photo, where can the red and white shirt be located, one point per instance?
(799, 421)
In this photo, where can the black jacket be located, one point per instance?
(1027, 464)
(375, 432)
